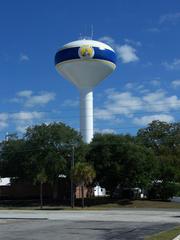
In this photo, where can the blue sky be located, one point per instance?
(145, 85)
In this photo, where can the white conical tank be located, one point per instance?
(85, 63)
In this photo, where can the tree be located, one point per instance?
(83, 174)
(14, 161)
(164, 139)
(119, 160)
(49, 151)
(41, 178)
(154, 134)
(44, 150)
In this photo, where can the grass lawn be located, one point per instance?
(155, 204)
(120, 204)
(169, 235)
(139, 204)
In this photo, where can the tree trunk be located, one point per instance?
(55, 191)
(82, 192)
(72, 193)
(41, 195)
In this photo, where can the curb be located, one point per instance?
(176, 238)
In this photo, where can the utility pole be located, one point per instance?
(72, 182)
(72, 147)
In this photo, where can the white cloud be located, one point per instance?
(148, 64)
(125, 52)
(155, 82)
(129, 85)
(118, 104)
(3, 120)
(103, 114)
(172, 18)
(27, 116)
(164, 21)
(176, 83)
(108, 40)
(159, 101)
(154, 97)
(41, 99)
(29, 99)
(174, 65)
(21, 128)
(148, 119)
(105, 130)
(123, 103)
(3, 116)
(127, 104)
(3, 125)
(153, 30)
(24, 93)
(140, 87)
(70, 103)
(144, 91)
(23, 57)
(24, 118)
(136, 43)
(20, 120)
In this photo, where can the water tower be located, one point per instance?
(85, 63)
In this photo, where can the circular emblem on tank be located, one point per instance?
(86, 52)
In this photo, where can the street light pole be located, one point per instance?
(72, 182)
(72, 167)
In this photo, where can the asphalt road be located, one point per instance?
(84, 225)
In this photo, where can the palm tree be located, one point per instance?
(41, 178)
(83, 174)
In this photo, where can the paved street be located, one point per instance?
(86, 225)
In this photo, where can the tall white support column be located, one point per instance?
(86, 114)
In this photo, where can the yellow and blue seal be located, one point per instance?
(86, 52)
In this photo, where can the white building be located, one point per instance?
(99, 191)
(5, 181)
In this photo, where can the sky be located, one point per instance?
(145, 85)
